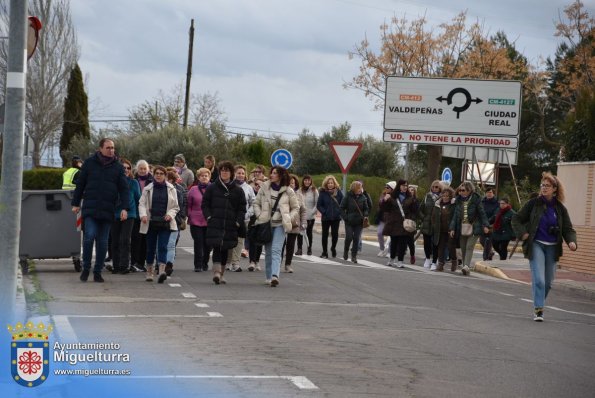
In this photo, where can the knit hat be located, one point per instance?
(180, 157)
(391, 184)
(402, 182)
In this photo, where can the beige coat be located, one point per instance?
(144, 207)
(302, 215)
(287, 212)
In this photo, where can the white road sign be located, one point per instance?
(452, 111)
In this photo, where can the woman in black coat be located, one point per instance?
(224, 207)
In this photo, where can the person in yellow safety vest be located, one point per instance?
(70, 176)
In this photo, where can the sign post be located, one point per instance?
(345, 154)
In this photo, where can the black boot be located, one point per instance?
(354, 258)
(345, 254)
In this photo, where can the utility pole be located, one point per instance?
(12, 158)
(188, 74)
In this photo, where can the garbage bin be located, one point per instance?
(48, 227)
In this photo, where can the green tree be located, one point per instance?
(76, 112)
(579, 137)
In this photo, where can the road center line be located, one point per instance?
(301, 382)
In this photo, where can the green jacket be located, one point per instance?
(527, 221)
(349, 209)
(425, 213)
(505, 232)
(475, 212)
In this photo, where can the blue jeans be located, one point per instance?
(96, 232)
(157, 240)
(543, 271)
(171, 246)
(272, 257)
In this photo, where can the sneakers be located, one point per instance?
(392, 262)
(412, 259)
(298, 252)
(257, 267)
(138, 268)
(228, 267)
(267, 282)
(288, 269)
(324, 255)
(380, 253)
(465, 270)
(84, 275)
(197, 269)
(236, 268)
(251, 267)
(433, 267)
(274, 281)
(538, 315)
(97, 277)
(427, 263)
(400, 264)
(244, 253)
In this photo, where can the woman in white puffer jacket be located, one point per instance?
(283, 219)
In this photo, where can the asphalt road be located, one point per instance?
(331, 329)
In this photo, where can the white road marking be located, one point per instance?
(64, 328)
(375, 265)
(506, 294)
(175, 285)
(201, 305)
(188, 295)
(570, 312)
(301, 382)
(214, 315)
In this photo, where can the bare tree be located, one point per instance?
(206, 109)
(48, 70)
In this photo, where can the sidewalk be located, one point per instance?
(515, 269)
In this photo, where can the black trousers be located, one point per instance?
(138, 245)
(220, 256)
(289, 244)
(201, 250)
(120, 232)
(352, 233)
(254, 252)
(398, 246)
(501, 247)
(300, 238)
(334, 227)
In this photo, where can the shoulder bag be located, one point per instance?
(261, 234)
(408, 224)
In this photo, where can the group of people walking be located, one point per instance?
(234, 215)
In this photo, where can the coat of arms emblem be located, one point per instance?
(30, 358)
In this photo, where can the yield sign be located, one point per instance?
(345, 153)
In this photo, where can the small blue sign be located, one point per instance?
(282, 157)
(447, 175)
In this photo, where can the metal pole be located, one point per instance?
(344, 184)
(188, 75)
(12, 159)
(513, 179)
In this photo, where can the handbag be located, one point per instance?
(408, 224)
(158, 223)
(466, 229)
(365, 221)
(262, 234)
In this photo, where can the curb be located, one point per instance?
(495, 272)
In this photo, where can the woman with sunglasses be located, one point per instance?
(122, 229)
(468, 222)
(157, 208)
(425, 212)
(542, 224)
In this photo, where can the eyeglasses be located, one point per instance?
(546, 186)
(159, 173)
(127, 167)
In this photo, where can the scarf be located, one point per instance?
(501, 212)
(275, 186)
(105, 160)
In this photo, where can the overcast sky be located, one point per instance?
(277, 65)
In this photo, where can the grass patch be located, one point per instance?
(35, 296)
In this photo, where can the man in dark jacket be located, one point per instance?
(101, 183)
(491, 207)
